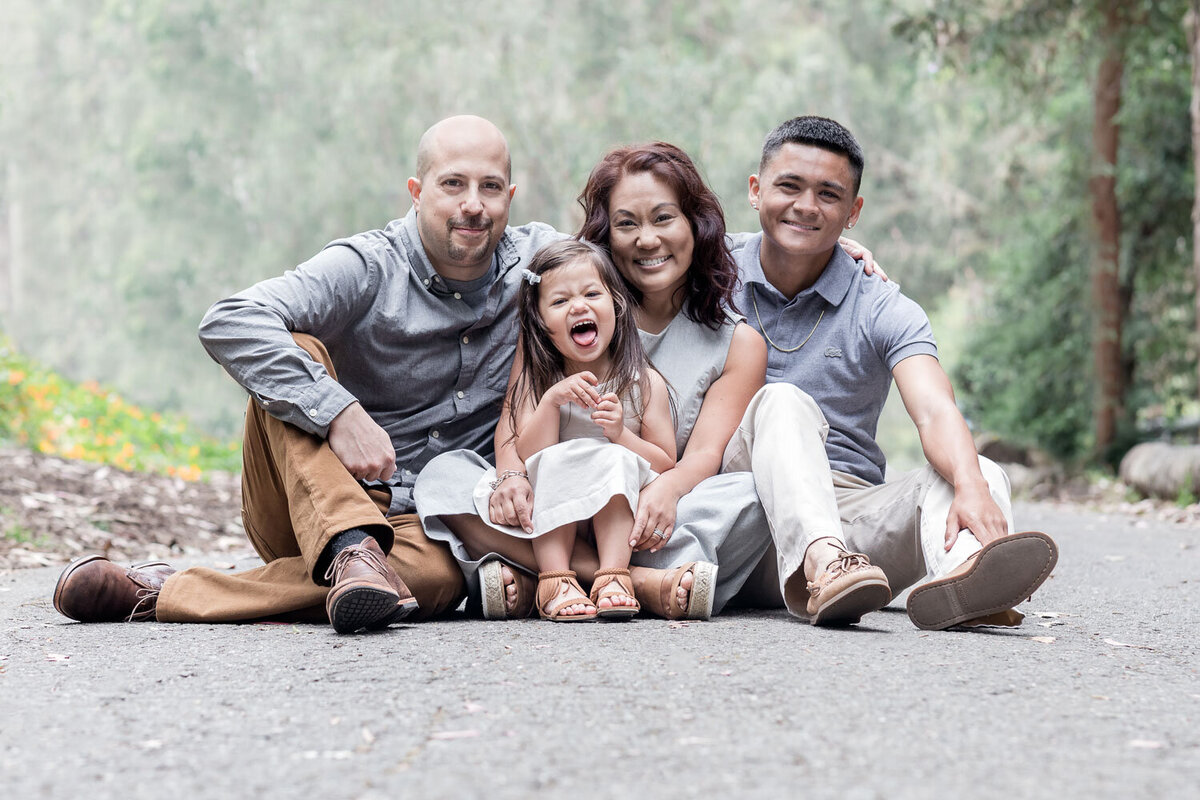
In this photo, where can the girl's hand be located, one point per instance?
(610, 416)
(655, 512)
(579, 388)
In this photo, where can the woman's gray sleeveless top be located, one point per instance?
(690, 356)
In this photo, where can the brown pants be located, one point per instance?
(296, 496)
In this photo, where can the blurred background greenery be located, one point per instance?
(158, 155)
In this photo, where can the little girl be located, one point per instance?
(591, 420)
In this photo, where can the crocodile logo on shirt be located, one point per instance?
(833, 352)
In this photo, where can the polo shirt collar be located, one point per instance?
(832, 286)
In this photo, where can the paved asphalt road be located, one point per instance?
(1095, 697)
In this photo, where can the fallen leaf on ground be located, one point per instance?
(1051, 624)
(469, 734)
(1043, 639)
(1146, 744)
(677, 624)
(1114, 558)
(1115, 643)
(151, 744)
(473, 708)
(368, 737)
(57, 657)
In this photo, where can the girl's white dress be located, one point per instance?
(578, 476)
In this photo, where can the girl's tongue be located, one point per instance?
(584, 334)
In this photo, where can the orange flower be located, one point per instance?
(15, 376)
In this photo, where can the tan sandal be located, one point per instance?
(656, 590)
(602, 589)
(495, 596)
(548, 590)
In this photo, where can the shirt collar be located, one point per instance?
(832, 285)
(506, 255)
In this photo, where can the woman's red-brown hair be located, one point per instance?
(712, 277)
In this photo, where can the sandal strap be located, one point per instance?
(658, 594)
(546, 595)
(617, 575)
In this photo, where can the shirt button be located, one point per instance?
(461, 395)
(466, 339)
(312, 412)
(457, 296)
(427, 281)
(435, 434)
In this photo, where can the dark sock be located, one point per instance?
(346, 539)
(340, 541)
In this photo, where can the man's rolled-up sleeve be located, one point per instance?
(250, 335)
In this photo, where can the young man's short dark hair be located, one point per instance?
(817, 132)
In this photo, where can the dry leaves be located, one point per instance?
(1115, 643)
(65, 509)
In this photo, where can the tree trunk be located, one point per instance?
(1192, 23)
(1106, 277)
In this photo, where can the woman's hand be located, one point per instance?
(511, 503)
(655, 513)
(859, 253)
(579, 388)
(610, 416)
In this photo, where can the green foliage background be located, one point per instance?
(159, 155)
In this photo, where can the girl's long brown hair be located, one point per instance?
(542, 364)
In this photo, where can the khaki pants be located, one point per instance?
(900, 525)
(296, 496)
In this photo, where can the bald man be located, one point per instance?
(363, 363)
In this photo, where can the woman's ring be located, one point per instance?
(657, 534)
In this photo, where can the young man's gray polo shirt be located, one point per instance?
(846, 366)
(429, 364)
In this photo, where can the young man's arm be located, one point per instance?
(948, 446)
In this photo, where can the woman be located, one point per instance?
(665, 230)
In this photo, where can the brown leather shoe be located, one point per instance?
(366, 591)
(850, 587)
(94, 589)
(996, 578)
(406, 605)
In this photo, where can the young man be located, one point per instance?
(842, 336)
(383, 350)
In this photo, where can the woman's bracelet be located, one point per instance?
(508, 473)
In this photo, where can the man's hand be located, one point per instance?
(512, 503)
(974, 509)
(364, 448)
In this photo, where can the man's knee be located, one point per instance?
(315, 348)
(785, 402)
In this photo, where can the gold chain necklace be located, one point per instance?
(767, 336)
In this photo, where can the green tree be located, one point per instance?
(1098, 88)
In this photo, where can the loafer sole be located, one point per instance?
(1006, 572)
(848, 606)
